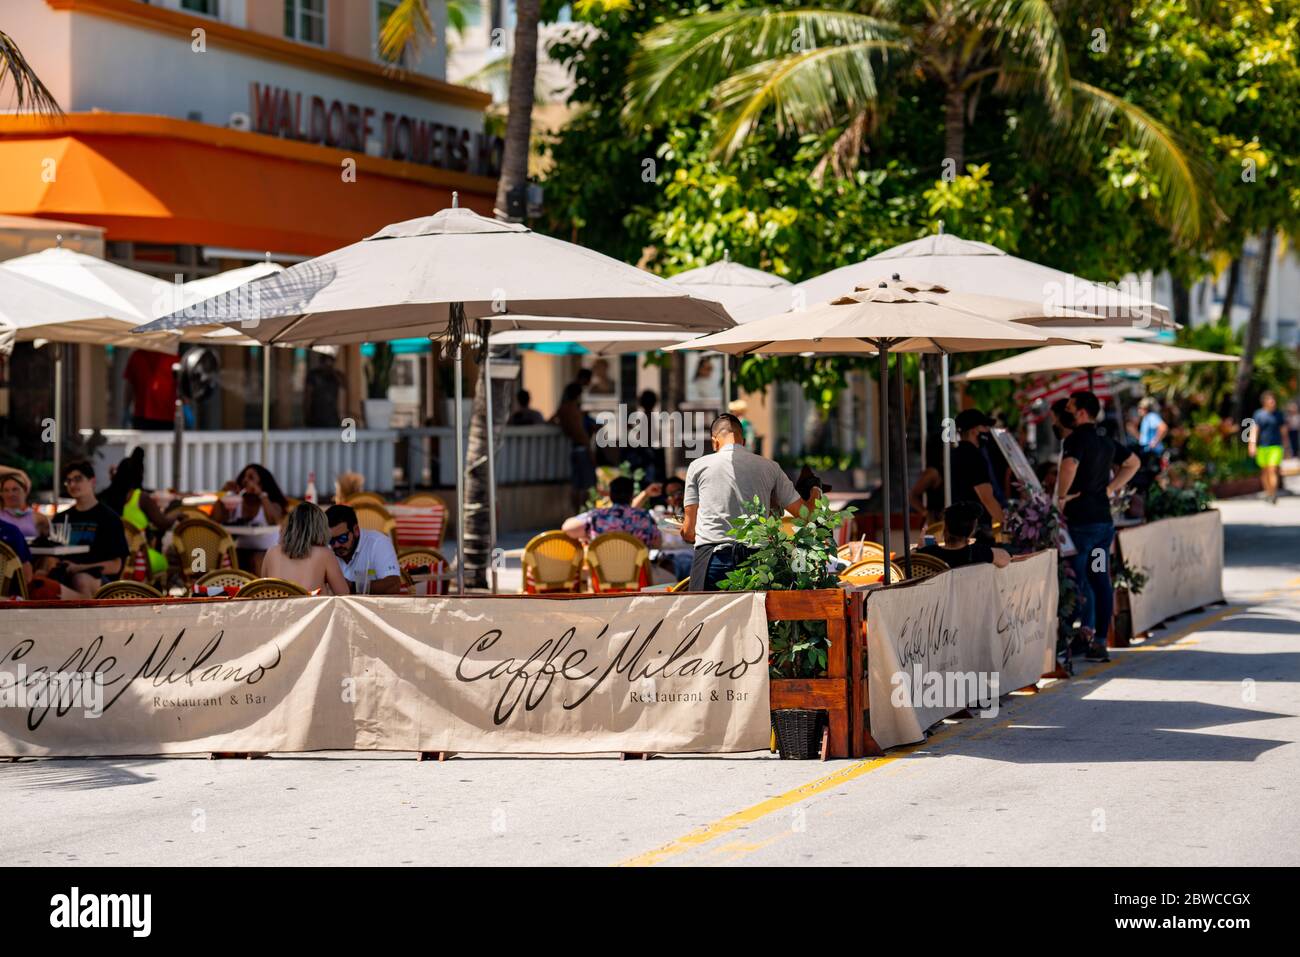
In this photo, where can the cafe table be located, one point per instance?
(58, 551)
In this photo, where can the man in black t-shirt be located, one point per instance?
(91, 523)
(1083, 489)
(972, 474)
(957, 548)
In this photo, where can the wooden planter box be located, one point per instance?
(1242, 486)
(842, 692)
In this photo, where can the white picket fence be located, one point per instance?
(209, 459)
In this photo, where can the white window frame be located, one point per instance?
(297, 24)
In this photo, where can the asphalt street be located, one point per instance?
(1183, 751)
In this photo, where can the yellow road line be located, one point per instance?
(733, 822)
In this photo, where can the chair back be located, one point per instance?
(185, 512)
(127, 589)
(411, 559)
(421, 520)
(225, 578)
(211, 539)
(376, 518)
(552, 563)
(365, 498)
(860, 551)
(11, 572)
(271, 588)
(870, 571)
(618, 562)
(927, 566)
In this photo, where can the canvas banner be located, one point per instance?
(957, 640)
(1183, 561)
(666, 673)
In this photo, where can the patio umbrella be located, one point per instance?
(1110, 355)
(432, 276)
(599, 342)
(41, 303)
(734, 286)
(887, 317)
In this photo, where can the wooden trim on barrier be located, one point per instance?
(842, 692)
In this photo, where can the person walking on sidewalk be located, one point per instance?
(1083, 489)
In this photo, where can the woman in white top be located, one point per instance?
(302, 556)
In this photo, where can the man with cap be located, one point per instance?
(972, 472)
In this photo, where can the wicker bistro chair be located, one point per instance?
(211, 539)
(127, 589)
(618, 562)
(225, 578)
(271, 588)
(414, 560)
(927, 566)
(136, 566)
(365, 498)
(425, 528)
(377, 519)
(11, 573)
(870, 571)
(552, 563)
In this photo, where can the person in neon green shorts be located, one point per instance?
(1267, 438)
(126, 496)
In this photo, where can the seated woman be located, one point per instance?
(261, 503)
(347, 484)
(15, 510)
(957, 548)
(302, 555)
(126, 496)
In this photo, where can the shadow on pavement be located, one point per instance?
(75, 774)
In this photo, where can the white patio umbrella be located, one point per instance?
(1110, 355)
(967, 266)
(734, 286)
(38, 304)
(431, 276)
(889, 317)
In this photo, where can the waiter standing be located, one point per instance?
(718, 487)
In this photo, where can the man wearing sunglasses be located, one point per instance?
(367, 558)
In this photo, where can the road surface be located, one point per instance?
(1182, 752)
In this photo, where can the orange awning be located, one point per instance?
(160, 180)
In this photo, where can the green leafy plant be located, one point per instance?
(1174, 502)
(379, 371)
(1128, 577)
(788, 561)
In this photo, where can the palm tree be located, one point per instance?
(1254, 326)
(29, 91)
(406, 27)
(821, 69)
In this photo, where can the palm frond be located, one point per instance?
(807, 92)
(29, 92)
(405, 29)
(680, 62)
(1186, 209)
(1028, 33)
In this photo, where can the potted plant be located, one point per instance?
(379, 376)
(782, 559)
(1128, 581)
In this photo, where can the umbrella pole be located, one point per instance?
(947, 447)
(460, 474)
(925, 431)
(1090, 380)
(266, 405)
(178, 429)
(884, 455)
(58, 419)
(726, 382)
(906, 505)
(491, 469)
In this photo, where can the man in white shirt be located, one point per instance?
(367, 558)
(718, 487)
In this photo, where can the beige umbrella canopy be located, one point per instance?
(733, 285)
(1110, 355)
(424, 276)
(890, 316)
(599, 342)
(978, 268)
